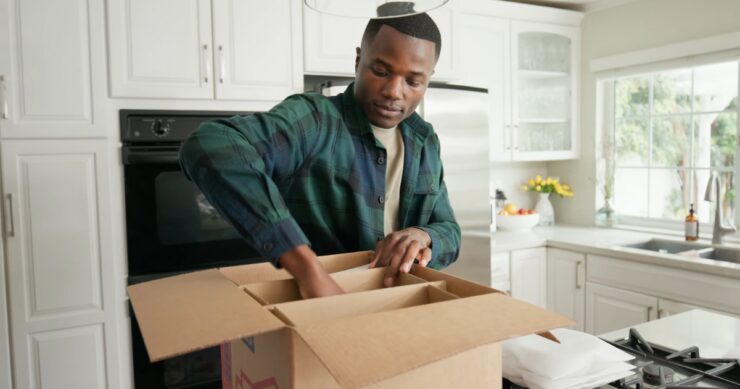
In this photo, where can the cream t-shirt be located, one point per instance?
(392, 140)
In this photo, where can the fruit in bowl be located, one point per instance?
(511, 218)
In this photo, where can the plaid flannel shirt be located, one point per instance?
(310, 171)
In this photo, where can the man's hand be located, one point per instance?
(398, 251)
(313, 280)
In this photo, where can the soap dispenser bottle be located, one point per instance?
(691, 225)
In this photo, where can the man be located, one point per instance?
(357, 171)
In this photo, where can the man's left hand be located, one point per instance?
(398, 251)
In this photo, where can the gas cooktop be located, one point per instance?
(661, 367)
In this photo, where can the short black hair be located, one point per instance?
(419, 26)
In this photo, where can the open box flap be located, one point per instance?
(389, 343)
(193, 311)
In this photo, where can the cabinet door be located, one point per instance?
(566, 289)
(487, 68)
(59, 263)
(329, 42)
(250, 63)
(544, 91)
(446, 67)
(160, 48)
(52, 68)
(529, 275)
(609, 309)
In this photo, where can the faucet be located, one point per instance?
(714, 194)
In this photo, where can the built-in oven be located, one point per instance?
(171, 228)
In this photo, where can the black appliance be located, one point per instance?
(661, 367)
(171, 228)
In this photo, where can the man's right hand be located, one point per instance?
(313, 280)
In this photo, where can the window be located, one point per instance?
(671, 129)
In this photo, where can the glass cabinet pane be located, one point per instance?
(544, 78)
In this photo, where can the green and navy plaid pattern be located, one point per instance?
(310, 171)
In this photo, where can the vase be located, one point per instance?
(606, 216)
(544, 208)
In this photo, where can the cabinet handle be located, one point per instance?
(9, 215)
(649, 311)
(579, 284)
(207, 63)
(661, 312)
(221, 64)
(4, 98)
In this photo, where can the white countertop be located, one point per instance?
(609, 242)
(715, 335)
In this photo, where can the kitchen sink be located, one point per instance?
(687, 249)
(667, 246)
(721, 254)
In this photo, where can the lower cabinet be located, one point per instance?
(566, 284)
(609, 309)
(529, 275)
(59, 263)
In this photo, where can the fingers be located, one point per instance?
(402, 260)
(424, 256)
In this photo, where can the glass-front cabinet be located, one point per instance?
(544, 123)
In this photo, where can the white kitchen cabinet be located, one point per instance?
(487, 68)
(545, 98)
(566, 284)
(60, 271)
(529, 275)
(500, 272)
(330, 43)
(52, 68)
(682, 286)
(609, 309)
(531, 70)
(205, 49)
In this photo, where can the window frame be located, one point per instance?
(606, 92)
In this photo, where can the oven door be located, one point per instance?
(170, 225)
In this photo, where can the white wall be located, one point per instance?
(511, 175)
(633, 26)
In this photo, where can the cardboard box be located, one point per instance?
(432, 330)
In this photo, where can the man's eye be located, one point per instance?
(413, 83)
(379, 72)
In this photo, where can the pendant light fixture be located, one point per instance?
(367, 9)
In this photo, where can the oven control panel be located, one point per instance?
(150, 126)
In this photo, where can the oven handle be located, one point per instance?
(150, 157)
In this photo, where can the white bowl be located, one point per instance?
(517, 222)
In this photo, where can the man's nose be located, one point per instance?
(393, 89)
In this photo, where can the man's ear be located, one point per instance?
(357, 58)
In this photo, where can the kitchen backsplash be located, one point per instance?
(509, 176)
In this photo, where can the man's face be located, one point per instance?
(391, 76)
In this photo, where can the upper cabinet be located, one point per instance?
(205, 49)
(544, 92)
(531, 72)
(330, 43)
(52, 68)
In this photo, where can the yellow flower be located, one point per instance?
(538, 187)
(531, 183)
(538, 179)
(555, 180)
(548, 181)
(566, 187)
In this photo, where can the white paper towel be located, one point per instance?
(579, 360)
